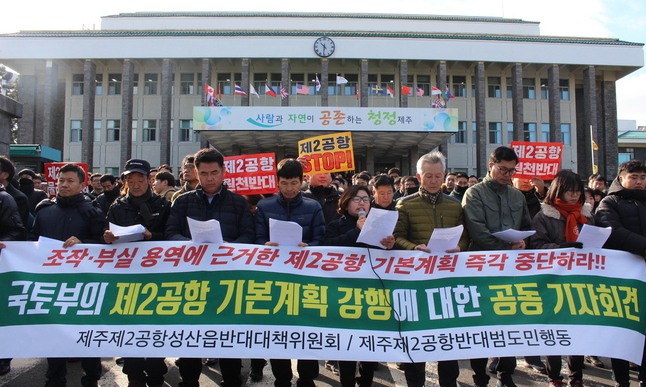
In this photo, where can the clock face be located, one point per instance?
(324, 46)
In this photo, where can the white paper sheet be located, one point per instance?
(285, 233)
(444, 239)
(511, 236)
(208, 231)
(379, 224)
(593, 236)
(127, 233)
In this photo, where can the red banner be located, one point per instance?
(538, 159)
(51, 176)
(251, 174)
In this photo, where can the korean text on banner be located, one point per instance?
(251, 174)
(537, 159)
(327, 153)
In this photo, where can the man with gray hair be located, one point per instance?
(419, 214)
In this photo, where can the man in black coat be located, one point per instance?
(70, 218)
(7, 173)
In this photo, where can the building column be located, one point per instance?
(609, 144)
(413, 155)
(280, 153)
(517, 102)
(166, 106)
(370, 159)
(403, 80)
(325, 65)
(441, 83)
(588, 121)
(87, 125)
(284, 81)
(554, 102)
(127, 98)
(53, 132)
(363, 76)
(481, 122)
(245, 68)
(206, 78)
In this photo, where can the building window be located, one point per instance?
(114, 171)
(423, 83)
(566, 134)
(495, 133)
(459, 86)
(135, 84)
(114, 84)
(461, 135)
(150, 131)
(113, 129)
(509, 87)
(77, 84)
(350, 88)
(187, 83)
(474, 132)
(150, 84)
(564, 88)
(473, 87)
(625, 155)
(545, 132)
(529, 131)
(494, 87)
(133, 135)
(76, 131)
(97, 130)
(99, 84)
(545, 94)
(223, 84)
(200, 84)
(185, 129)
(529, 88)
(510, 132)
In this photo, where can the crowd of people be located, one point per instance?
(332, 211)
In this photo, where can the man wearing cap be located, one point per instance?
(211, 200)
(140, 206)
(72, 219)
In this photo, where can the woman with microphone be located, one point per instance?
(354, 206)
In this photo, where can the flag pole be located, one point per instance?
(592, 150)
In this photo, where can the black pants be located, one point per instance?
(574, 363)
(57, 370)
(348, 372)
(150, 370)
(308, 370)
(621, 370)
(505, 368)
(191, 368)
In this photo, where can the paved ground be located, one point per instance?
(31, 372)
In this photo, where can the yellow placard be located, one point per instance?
(328, 153)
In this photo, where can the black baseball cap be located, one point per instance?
(137, 165)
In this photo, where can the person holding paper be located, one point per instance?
(290, 205)
(624, 209)
(140, 206)
(562, 215)
(211, 200)
(354, 206)
(419, 214)
(491, 206)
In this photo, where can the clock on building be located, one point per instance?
(324, 46)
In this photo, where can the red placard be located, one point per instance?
(51, 176)
(538, 159)
(251, 174)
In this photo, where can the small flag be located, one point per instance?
(302, 89)
(357, 94)
(377, 90)
(448, 93)
(419, 91)
(594, 145)
(435, 91)
(269, 90)
(439, 103)
(210, 95)
(407, 90)
(390, 91)
(238, 90)
(340, 80)
(317, 83)
(253, 91)
(283, 92)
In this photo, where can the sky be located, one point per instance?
(619, 19)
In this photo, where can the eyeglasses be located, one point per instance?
(359, 199)
(507, 171)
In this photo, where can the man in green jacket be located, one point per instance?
(419, 214)
(491, 206)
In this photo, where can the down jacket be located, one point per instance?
(304, 211)
(550, 227)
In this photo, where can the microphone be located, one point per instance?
(361, 213)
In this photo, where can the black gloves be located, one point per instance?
(576, 245)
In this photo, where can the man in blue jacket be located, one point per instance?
(211, 200)
(291, 205)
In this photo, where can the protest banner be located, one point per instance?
(537, 159)
(51, 176)
(328, 153)
(251, 174)
(165, 299)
